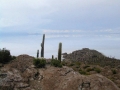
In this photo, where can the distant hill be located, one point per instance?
(84, 54)
(89, 56)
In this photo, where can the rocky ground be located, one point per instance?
(89, 69)
(20, 74)
(87, 61)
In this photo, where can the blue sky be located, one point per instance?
(78, 24)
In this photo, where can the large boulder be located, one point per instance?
(67, 79)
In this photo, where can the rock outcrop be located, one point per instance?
(67, 79)
(22, 75)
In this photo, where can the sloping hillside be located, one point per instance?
(20, 74)
(87, 61)
(89, 56)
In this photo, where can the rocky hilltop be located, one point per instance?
(84, 54)
(20, 74)
(89, 56)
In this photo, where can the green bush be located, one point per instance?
(5, 56)
(56, 63)
(114, 71)
(97, 70)
(39, 63)
(93, 69)
(77, 66)
(86, 66)
(89, 69)
(78, 63)
(82, 72)
(64, 63)
(71, 64)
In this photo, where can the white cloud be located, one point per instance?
(23, 4)
(22, 12)
(62, 31)
(106, 30)
(109, 30)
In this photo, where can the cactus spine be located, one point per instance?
(37, 53)
(42, 46)
(59, 51)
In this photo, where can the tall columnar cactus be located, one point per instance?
(59, 51)
(42, 46)
(37, 53)
(52, 57)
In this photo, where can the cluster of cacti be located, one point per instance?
(42, 46)
(59, 51)
(42, 49)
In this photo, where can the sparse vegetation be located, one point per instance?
(97, 70)
(90, 62)
(39, 63)
(92, 57)
(56, 63)
(90, 69)
(114, 71)
(64, 63)
(78, 63)
(71, 64)
(82, 72)
(86, 66)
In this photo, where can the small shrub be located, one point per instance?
(93, 69)
(71, 64)
(86, 66)
(114, 71)
(39, 63)
(56, 63)
(82, 72)
(111, 78)
(6, 88)
(89, 69)
(64, 63)
(77, 66)
(97, 70)
(78, 63)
